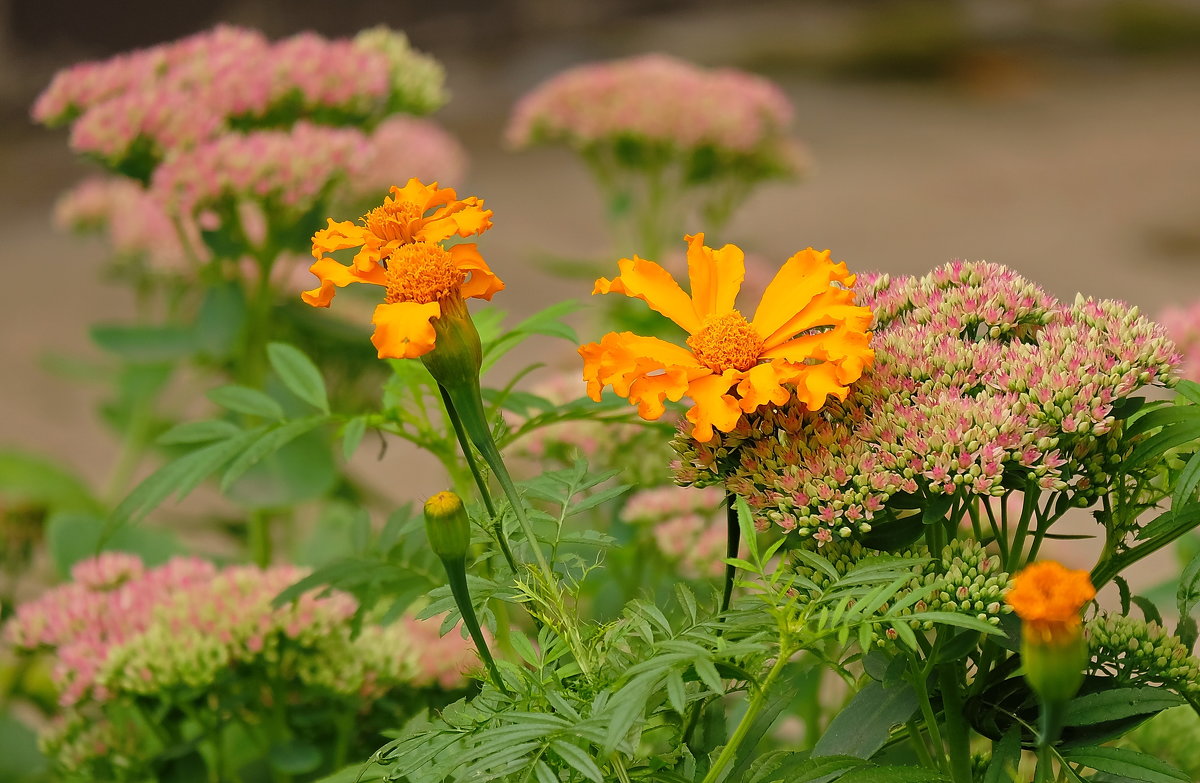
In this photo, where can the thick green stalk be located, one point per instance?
(757, 702)
(480, 482)
(731, 550)
(456, 573)
(259, 538)
(957, 734)
(469, 405)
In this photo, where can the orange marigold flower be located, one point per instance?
(807, 338)
(1048, 598)
(400, 249)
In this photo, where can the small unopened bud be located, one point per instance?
(447, 526)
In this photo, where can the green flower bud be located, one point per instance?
(447, 526)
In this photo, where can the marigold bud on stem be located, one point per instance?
(447, 526)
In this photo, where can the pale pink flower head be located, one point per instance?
(688, 525)
(132, 220)
(658, 100)
(134, 110)
(1183, 325)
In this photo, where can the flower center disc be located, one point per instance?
(422, 272)
(726, 341)
(392, 220)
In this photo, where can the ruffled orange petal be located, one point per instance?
(621, 358)
(426, 197)
(338, 236)
(333, 276)
(815, 383)
(482, 283)
(464, 218)
(802, 278)
(649, 392)
(847, 348)
(646, 280)
(403, 330)
(763, 384)
(714, 406)
(715, 276)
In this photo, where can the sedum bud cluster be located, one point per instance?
(1137, 651)
(188, 633)
(964, 579)
(981, 382)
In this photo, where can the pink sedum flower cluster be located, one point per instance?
(122, 629)
(982, 383)
(403, 147)
(688, 526)
(132, 110)
(1183, 324)
(287, 169)
(130, 218)
(654, 98)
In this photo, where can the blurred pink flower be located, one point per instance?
(654, 98)
(1183, 325)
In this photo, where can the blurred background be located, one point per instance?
(1059, 137)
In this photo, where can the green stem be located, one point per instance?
(931, 724)
(956, 728)
(456, 573)
(757, 702)
(469, 405)
(918, 743)
(1028, 506)
(259, 538)
(480, 481)
(1049, 727)
(133, 445)
(731, 550)
(999, 533)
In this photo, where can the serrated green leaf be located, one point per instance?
(181, 476)
(1123, 592)
(708, 675)
(243, 399)
(1189, 479)
(1129, 763)
(676, 692)
(745, 521)
(1187, 595)
(299, 374)
(1149, 610)
(269, 443)
(574, 756)
(198, 432)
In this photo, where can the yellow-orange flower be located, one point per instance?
(1048, 598)
(400, 249)
(807, 338)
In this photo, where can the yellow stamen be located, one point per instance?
(422, 272)
(391, 221)
(726, 341)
